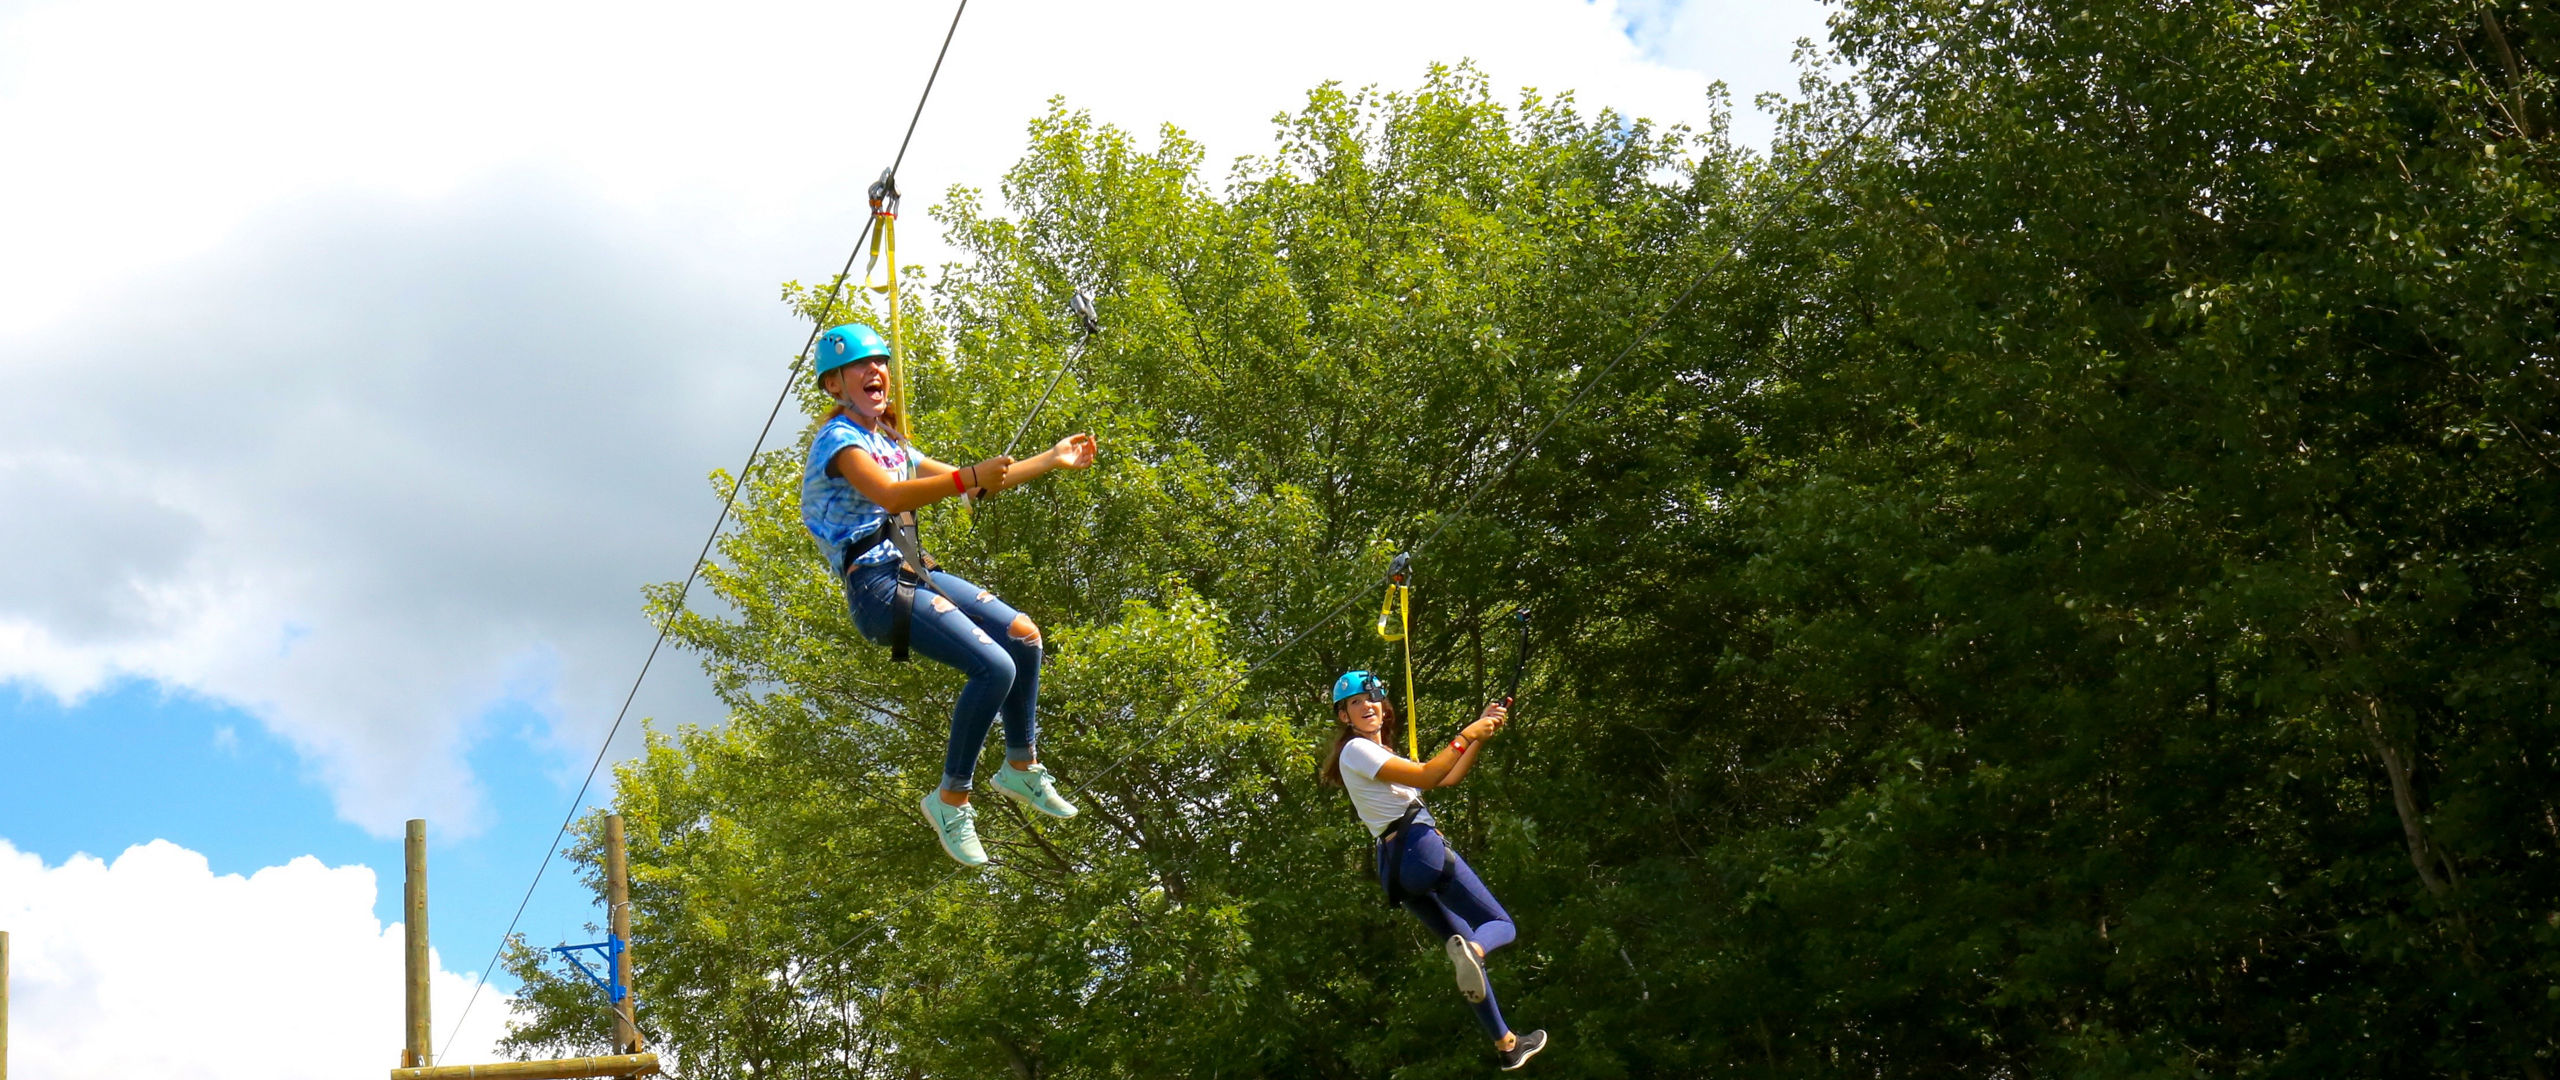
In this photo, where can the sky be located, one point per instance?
(360, 363)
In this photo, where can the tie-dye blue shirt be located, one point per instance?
(835, 513)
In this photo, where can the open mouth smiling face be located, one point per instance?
(871, 386)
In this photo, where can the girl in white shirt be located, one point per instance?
(1418, 868)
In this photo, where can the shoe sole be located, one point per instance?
(1524, 1058)
(1470, 970)
(1034, 807)
(926, 805)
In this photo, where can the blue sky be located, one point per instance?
(359, 364)
(137, 762)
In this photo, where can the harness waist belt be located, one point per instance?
(1391, 848)
(899, 531)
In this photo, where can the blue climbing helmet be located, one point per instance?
(848, 344)
(1352, 684)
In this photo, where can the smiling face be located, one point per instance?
(1366, 715)
(862, 387)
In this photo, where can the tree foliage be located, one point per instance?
(2072, 593)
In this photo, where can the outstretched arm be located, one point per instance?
(1073, 452)
(1450, 765)
(932, 484)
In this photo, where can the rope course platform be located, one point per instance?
(630, 1058)
(557, 1069)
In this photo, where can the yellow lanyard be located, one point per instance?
(884, 234)
(1398, 603)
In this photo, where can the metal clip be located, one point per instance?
(1082, 307)
(884, 193)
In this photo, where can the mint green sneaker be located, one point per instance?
(956, 827)
(1031, 787)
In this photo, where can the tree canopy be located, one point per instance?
(2071, 593)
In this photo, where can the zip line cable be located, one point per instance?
(1716, 265)
(727, 503)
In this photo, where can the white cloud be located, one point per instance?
(154, 966)
(377, 465)
(161, 125)
(358, 363)
(1750, 44)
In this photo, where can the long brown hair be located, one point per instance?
(1389, 729)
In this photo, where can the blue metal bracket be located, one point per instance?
(610, 949)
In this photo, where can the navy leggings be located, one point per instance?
(973, 634)
(1462, 906)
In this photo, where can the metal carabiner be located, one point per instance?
(1081, 306)
(884, 193)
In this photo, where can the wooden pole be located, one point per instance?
(560, 1069)
(617, 876)
(4, 1005)
(419, 1052)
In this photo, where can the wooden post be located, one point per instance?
(4, 1005)
(559, 1069)
(617, 877)
(419, 1052)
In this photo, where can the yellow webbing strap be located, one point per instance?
(885, 236)
(1398, 604)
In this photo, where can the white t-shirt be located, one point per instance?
(1380, 803)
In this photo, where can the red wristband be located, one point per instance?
(1458, 743)
(956, 485)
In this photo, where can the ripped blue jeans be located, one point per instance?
(973, 632)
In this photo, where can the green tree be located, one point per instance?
(1291, 377)
(2071, 593)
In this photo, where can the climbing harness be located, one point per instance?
(914, 568)
(1395, 623)
(1390, 856)
(1087, 325)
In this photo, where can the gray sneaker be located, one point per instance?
(1031, 787)
(1462, 956)
(1522, 1049)
(956, 827)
